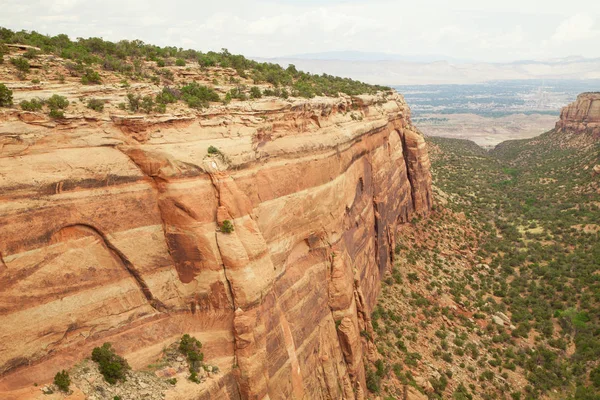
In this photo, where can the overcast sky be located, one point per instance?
(481, 30)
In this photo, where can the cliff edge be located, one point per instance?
(581, 116)
(111, 230)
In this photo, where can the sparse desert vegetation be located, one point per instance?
(498, 292)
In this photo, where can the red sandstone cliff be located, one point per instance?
(109, 231)
(581, 116)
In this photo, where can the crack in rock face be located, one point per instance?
(111, 230)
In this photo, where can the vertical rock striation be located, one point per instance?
(582, 116)
(110, 231)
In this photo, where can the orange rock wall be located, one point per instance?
(581, 116)
(109, 231)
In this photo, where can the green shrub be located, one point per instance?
(134, 101)
(237, 93)
(6, 96)
(96, 105)
(198, 96)
(91, 77)
(373, 381)
(413, 277)
(21, 63)
(167, 73)
(147, 104)
(227, 226)
(160, 108)
(190, 347)
(119, 57)
(180, 62)
(56, 114)
(255, 92)
(3, 51)
(57, 102)
(168, 95)
(62, 381)
(112, 366)
(32, 105)
(31, 54)
(595, 377)
(75, 68)
(213, 150)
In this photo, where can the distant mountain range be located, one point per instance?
(351, 55)
(394, 69)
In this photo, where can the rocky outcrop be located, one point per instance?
(581, 116)
(110, 231)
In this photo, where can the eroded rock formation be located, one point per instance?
(581, 116)
(110, 231)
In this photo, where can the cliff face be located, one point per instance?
(109, 231)
(581, 116)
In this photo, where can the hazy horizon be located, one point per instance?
(463, 30)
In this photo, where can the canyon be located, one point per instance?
(111, 231)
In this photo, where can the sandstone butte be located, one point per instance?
(110, 232)
(581, 116)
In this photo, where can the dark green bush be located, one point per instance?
(91, 77)
(32, 105)
(21, 63)
(147, 104)
(255, 92)
(62, 381)
(57, 102)
(56, 114)
(167, 73)
(213, 150)
(31, 54)
(198, 96)
(6, 96)
(134, 101)
(180, 62)
(3, 51)
(237, 93)
(168, 95)
(119, 56)
(96, 105)
(112, 366)
(75, 68)
(160, 108)
(595, 377)
(190, 347)
(227, 226)
(373, 381)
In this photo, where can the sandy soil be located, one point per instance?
(486, 131)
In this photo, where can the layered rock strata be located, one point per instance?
(110, 231)
(582, 116)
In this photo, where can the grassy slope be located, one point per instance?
(532, 215)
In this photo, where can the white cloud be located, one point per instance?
(462, 29)
(577, 27)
